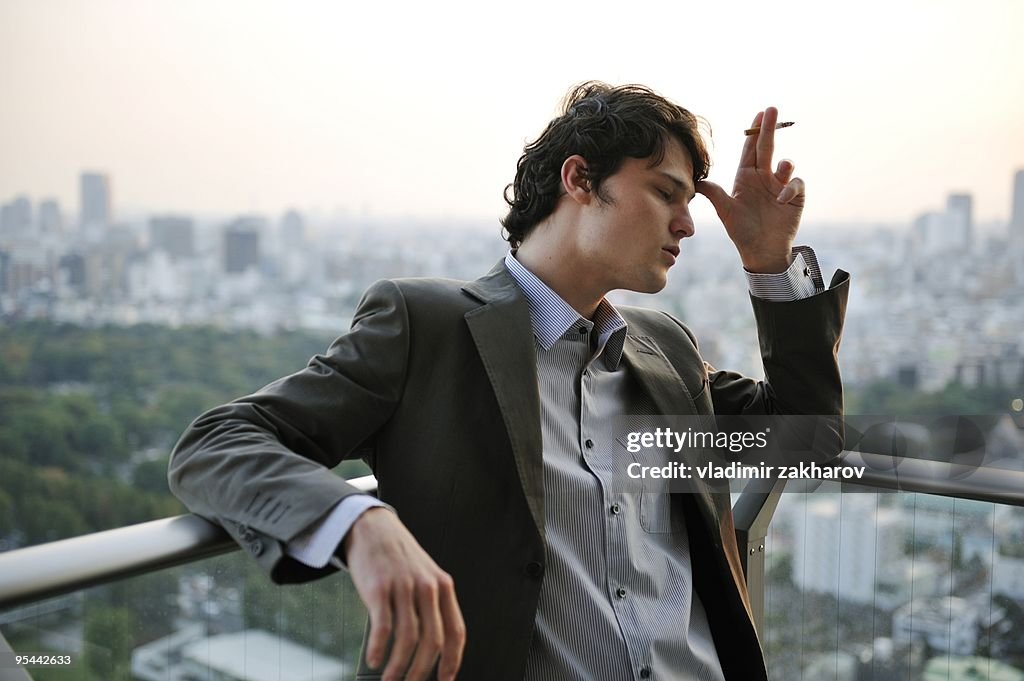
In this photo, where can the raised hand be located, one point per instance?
(407, 596)
(762, 214)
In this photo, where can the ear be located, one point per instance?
(574, 181)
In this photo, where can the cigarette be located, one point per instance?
(754, 131)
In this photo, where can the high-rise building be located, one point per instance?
(74, 267)
(16, 217)
(50, 219)
(173, 235)
(5, 268)
(842, 545)
(241, 245)
(960, 220)
(293, 229)
(928, 234)
(95, 197)
(950, 231)
(1017, 218)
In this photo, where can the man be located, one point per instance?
(483, 408)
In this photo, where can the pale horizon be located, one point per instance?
(254, 107)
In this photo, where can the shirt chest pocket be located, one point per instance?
(658, 515)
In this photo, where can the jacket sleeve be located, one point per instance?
(260, 465)
(799, 343)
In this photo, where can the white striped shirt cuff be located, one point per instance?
(315, 546)
(801, 280)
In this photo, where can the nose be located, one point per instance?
(682, 224)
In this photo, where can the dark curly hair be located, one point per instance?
(604, 124)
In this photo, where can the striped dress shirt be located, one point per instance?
(617, 600)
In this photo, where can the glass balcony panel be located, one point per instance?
(883, 586)
(220, 619)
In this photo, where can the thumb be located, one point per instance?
(718, 197)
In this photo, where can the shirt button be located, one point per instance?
(620, 592)
(807, 271)
(645, 672)
(616, 509)
(589, 444)
(534, 569)
(583, 330)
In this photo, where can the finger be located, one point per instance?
(784, 170)
(766, 139)
(431, 632)
(749, 153)
(454, 633)
(792, 192)
(379, 607)
(718, 197)
(407, 629)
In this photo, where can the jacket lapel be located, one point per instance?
(657, 376)
(503, 334)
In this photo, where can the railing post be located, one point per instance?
(753, 514)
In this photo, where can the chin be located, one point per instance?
(653, 285)
(644, 280)
(660, 280)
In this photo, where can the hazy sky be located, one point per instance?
(423, 108)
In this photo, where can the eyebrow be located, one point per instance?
(678, 183)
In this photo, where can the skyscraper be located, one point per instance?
(960, 220)
(241, 245)
(50, 220)
(95, 196)
(1017, 219)
(173, 235)
(293, 229)
(16, 218)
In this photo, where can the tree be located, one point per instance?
(110, 638)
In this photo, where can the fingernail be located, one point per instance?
(782, 197)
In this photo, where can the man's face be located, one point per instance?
(632, 241)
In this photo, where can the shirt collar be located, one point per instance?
(552, 316)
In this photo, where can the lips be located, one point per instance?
(674, 250)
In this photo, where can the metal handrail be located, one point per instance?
(38, 572)
(906, 474)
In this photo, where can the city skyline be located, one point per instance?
(256, 107)
(45, 209)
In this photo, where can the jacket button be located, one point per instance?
(534, 570)
(256, 547)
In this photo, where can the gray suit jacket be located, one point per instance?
(435, 386)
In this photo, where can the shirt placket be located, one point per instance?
(594, 443)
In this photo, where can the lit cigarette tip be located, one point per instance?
(754, 131)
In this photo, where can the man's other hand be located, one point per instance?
(407, 596)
